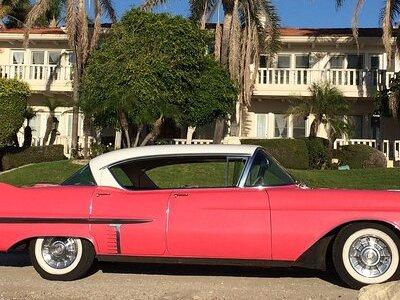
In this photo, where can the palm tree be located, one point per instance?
(328, 106)
(82, 39)
(14, 12)
(52, 122)
(28, 115)
(250, 26)
(390, 12)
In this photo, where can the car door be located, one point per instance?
(211, 217)
(130, 220)
(219, 223)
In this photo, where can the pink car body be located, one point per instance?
(282, 225)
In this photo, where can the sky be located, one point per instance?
(293, 13)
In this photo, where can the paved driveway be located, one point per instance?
(18, 280)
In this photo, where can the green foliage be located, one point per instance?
(14, 95)
(328, 105)
(319, 154)
(154, 65)
(291, 153)
(33, 155)
(360, 157)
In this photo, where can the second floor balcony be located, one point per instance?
(40, 77)
(296, 82)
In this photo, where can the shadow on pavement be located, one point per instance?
(21, 259)
(203, 270)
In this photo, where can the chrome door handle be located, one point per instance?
(103, 194)
(181, 195)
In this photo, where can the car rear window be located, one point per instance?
(82, 177)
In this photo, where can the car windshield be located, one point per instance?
(266, 171)
(83, 177)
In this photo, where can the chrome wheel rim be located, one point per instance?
(370, 256)
(59, 253)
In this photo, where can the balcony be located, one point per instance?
(295, 82)
(41, 77)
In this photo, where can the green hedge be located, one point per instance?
(360, 157)
(33, 155)
(319, 154)
(291, 153)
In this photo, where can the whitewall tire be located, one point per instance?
(366, 253)
(61, 258)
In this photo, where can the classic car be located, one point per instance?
(205, 204)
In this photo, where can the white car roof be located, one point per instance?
(103, 176)
(168, 150)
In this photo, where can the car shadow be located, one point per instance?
(21, 259)
(208, 270)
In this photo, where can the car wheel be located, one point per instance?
(366, 253)
(61, 258)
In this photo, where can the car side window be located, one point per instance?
(179, 172)
(265, 171)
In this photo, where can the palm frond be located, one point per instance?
(148, 5)
(108, 8)
(97, 25)
(37, 11)
(356, 18)
(387, 26)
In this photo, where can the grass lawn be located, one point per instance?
(51, 172)
(56, 172)
(353, 179)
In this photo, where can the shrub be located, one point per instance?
(14, 95)
(319, 154)
(33, 155)
(361, 156)
(290, 153)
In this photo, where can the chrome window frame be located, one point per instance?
(227, 156)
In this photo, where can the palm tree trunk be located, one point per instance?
(49, 125)
(226, 33)
(218, 40)
(75, 110)
(314, 126)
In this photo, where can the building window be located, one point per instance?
(302, 61)
(337, 62)
(18, 57)
(262, 126)
(54, 57)
(263, 61)
(281, 126)
(38, 57)
(375, 62)
(283, 61)
(356, 123)
(355, 61)
(299, 127)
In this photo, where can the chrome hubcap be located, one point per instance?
(59, 253)
(370, 256)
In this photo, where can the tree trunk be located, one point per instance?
(123, 120)
(219, 131)
(75, 110)
(217, 43)
(138, 133)
(314, 127)
(154, 132)
(189, 134)
(49, 124)
(226, 32)
(27, 137)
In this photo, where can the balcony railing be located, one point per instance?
(349, 80)
(40, 77)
